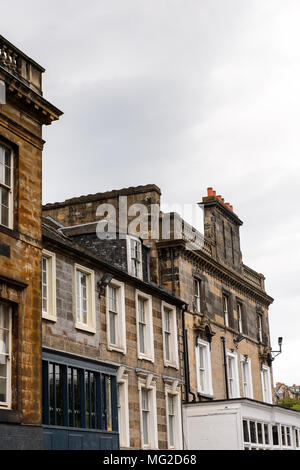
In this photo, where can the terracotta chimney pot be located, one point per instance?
(210, 192)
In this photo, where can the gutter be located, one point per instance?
(186, 359)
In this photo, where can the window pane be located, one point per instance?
(246, 431)
(266, 433)
(288, 436)
(4, 211)
(145, 415)
(142, 338)
(113, 299)
(108, 403)
(253, 431)
(112, 327)
(3, 395)
(59, 397)
(283, 436)
(275, 435)
(259, 433)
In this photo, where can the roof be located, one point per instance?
(105, 195)
(51, 233)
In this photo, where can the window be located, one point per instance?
(246, 376)
(275, 435)
(123, 411)
(197, 295)
(134, 256)
(78, 397)
(6, 187)
(173, 411)
(148, 415)
(85, 299)
(256, 435)
(240, 317)
(144, 326)
(115, 316)
(170, 335)
(266, 384)
(232, 374)
(297, 438)
(203, 364)
(286, 440)
(145, 415)
(48, 285)
(259, 324)
(226, 309)
(5, 355)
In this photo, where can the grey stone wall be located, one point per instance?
(18, 437)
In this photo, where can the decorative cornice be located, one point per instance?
(217, 270)
(28, 100)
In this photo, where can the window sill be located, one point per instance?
(145, 358)
(86, 328)
(121, 350)
(172, 365)
(206, 395)
(9, 231)
(49, 317)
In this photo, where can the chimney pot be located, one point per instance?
(219, 197)
(210, 192)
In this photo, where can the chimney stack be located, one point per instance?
(212, 193)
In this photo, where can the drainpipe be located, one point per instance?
(186, 358)
(225, 367)
(172, 270)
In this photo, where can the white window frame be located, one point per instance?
(232, 356)
(208, 388)
(90, 326)
(240, 316)
(139, 273)
(246, 381)
(148, 355)
(197, 294)
(50, 314)
(249, 445)
(266, 394)
(120, 319)
(260, 331)
(10, 188)
(152, 423)
(7, 403)
(173, 360)
(123, 409)
(177, 427)
(225, 305)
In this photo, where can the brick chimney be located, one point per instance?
(222, 226)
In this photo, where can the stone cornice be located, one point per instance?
(213, 201)
(28, 100)
(217, 270)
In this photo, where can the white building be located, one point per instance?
(240, 424)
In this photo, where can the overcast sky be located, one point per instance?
(185, 94)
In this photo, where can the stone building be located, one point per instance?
(225, 351)
(23, 111)
(283, 391)
(111, 371)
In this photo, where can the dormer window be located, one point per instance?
(6, 186)
(134, 256)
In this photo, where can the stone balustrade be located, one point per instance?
(21, 66)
